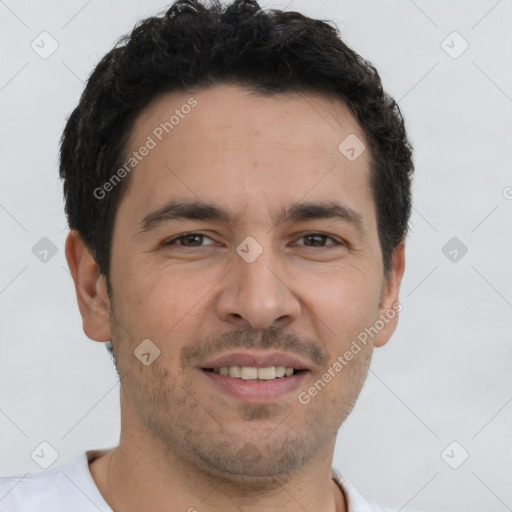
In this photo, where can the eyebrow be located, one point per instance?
(296, 212)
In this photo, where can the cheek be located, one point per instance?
(162, 301)
(345, 298)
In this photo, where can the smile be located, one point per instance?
(255, 373)
(247, 385)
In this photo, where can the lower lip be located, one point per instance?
(257, 390)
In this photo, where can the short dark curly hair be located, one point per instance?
(194, 45)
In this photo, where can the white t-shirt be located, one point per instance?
(71, 488)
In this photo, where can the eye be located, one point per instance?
(194, 239)
(318, 240)
(188, 240)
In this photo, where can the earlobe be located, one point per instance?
(92, 298)
(390, 305)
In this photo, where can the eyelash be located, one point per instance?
(312, 233)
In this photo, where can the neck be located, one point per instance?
(136, 477)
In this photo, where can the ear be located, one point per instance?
(390, 306)
(90, 287)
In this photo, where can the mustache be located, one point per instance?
(275, 338)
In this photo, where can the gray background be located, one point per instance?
(446, 374)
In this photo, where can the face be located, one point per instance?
(246, 238)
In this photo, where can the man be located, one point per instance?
(237, 186)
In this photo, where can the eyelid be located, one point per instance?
(337, 241)
(182, 235)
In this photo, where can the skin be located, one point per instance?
(184, 442)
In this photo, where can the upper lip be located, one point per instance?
(255, 360)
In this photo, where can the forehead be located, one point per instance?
(232, 114)
(229, 145)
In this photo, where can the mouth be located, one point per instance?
(255, 373)
(255, 377)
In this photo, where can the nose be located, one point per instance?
(258, 294)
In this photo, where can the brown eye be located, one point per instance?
(318, 240)
(189, 240)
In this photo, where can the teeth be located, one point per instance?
(248, 372)
(234, 371)
(253, 373)
(267, 373)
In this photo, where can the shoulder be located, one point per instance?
(356, 502)
(31, 492)
(61, 489)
